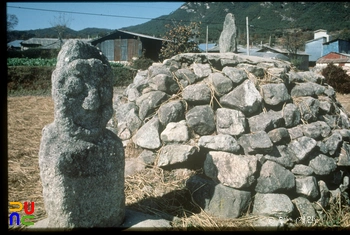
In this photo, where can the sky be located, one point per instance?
(81, 15)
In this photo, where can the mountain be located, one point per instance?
(265, 18)
(51, 33)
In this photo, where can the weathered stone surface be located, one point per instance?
(149, 101)
(201, 70)
(231, 122)
(309, 108)
(307, 89)
(302, 147)
(227, 40)
(307, 186)
(322, 165)
(220, 142)
(197, 94)
(236, 75)
(272, 204)
(175, 153)
(245, 98)
(279, 136)
(275, 94)
(148, 135)
(78, 157)
(201, 119)
(300, 169)
(221, 83)
(325, 195)
(217, 199)
(316, 130)
(175, 132)
(282, 156)
(344, 155)
(333, 143)
(266, 121)
(232, 170)
(258, 142)
(295, 132)
(173, 111)
(291, 115)
(186, 77)
(165, 83)
(274, 178)
(307, 212)
(158, 68)
(147, 157)
(128, 120)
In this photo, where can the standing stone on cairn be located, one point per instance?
(81, 161)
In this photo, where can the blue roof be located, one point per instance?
(16, 43)
(202, 46)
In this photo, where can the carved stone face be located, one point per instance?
(82, 92)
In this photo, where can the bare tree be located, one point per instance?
(12, 21)
(60, 25)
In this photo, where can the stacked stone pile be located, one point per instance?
(261, 132)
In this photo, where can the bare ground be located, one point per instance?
(146, 191)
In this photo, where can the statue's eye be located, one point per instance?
(74, 85)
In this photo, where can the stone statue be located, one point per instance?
(228, 36)
(81, 161)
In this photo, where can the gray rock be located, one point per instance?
(245, 98)
(148, 135)
(325, 195)
(307, 212)
(186, 77)
(274, 178)
(221, 83)
(148, 102)
(309, 108)
(231, 122)
(138, 221)
(133, 165)
(316, 130)
(147, 157)
(344, 155)
(333, 143)
(175, 132)
(307, 89)
(236, 75)
(307, 186)
(258, 142)
(81, 162)
(322, 165)
(302, 147)
(291, 115)
(158, 68)
(266, 121)
(165, 83)
(172, 111)
(275, 94)
(219, 142)
(201, 119)
(229, 169)
(272, 204)
(279, 136)
(201, 70)
(282, 156)
(217, 199)
(197, 94)
(300, 169)
(175, 153)
(127, 118)
(227, 39)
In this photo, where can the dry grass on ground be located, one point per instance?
(153, 191)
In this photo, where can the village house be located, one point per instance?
(339, 59)
(121, 45)
(314, 47)
(44, 43)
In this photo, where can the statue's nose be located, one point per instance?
(92, 101)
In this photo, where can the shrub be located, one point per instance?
(336, 77)
(123, 76)
(142, 63)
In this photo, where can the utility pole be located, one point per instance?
(270, 41)
(247, 35)
(206, 47)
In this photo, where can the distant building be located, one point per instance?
(339, 59)
(44, 43)
(121, 45)
(337, 45)
(14, 45)
(314, 47)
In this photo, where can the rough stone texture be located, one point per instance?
(272, 204)
(306, 211)
(227, 40)
(231, 170)
(81, 162)
(274, 178)
(240, 109)
(148, 135)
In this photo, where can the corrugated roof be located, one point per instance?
(46, 43)
(344, 58)
(141, 35)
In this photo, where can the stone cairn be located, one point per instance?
(265, 136)
(81, 161)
